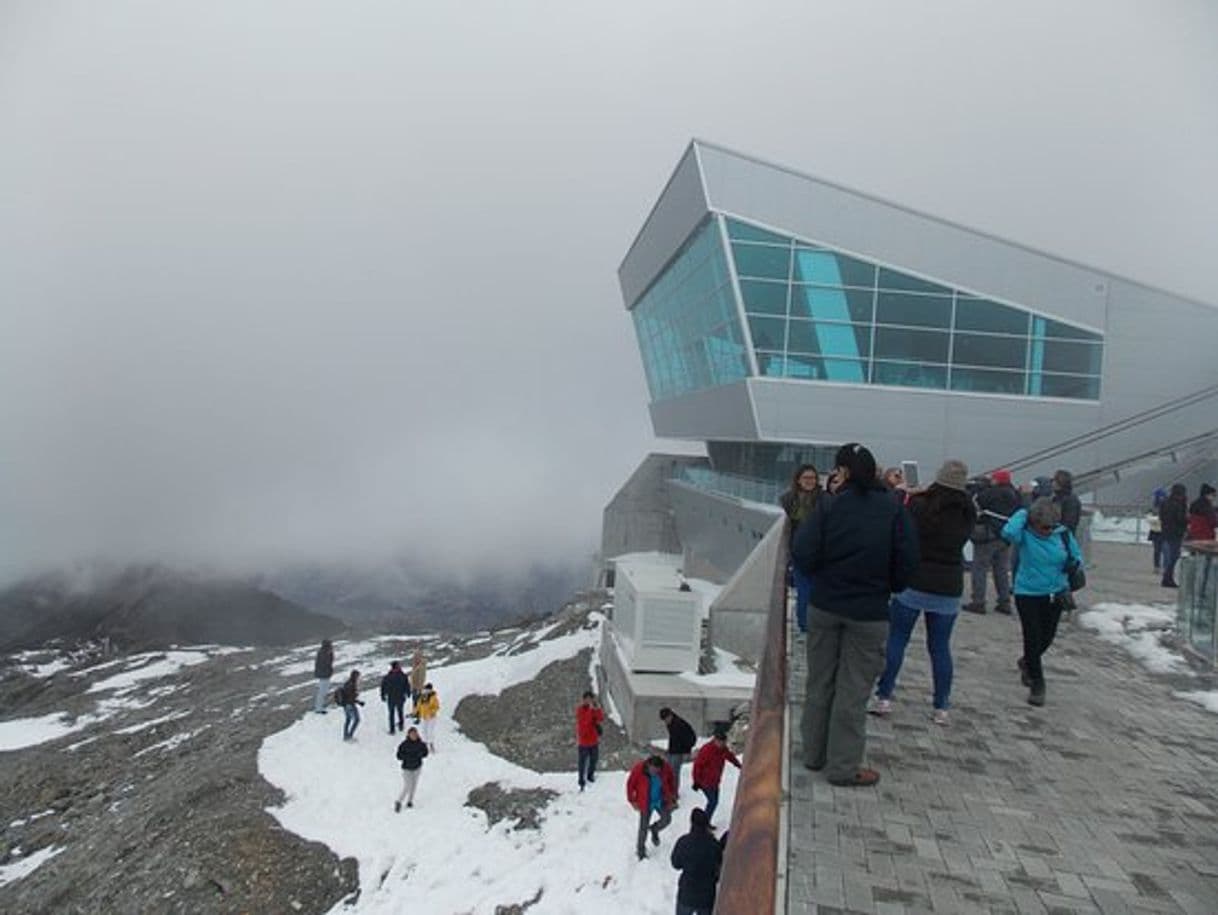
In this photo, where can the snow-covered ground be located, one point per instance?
(1137, 628)
(1120, 528)
(440, 856)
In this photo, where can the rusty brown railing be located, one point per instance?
(749, 881)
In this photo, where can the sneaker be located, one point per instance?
(1170, 584)
(880, 707)
(863, 778)
(397, 806)
(940, 717)
(642, 853)
(1037, 695)
(1004, 609)
(974, 607)
(410, 803)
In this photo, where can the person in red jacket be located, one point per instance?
(1202, 516)
(708, 769)
(651, 786)
(589, 719)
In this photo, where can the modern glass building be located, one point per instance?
(779, 315)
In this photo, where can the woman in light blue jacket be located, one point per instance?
(1045, 549)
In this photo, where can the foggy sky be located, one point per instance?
(333, 280)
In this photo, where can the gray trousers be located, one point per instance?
(844, 659)
(410, 781)
(994, 555)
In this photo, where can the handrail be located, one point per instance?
(1120, 425)
(749, 881)
(1115, 468)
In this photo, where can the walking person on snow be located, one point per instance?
(698, 856)
(411, 752)
(681, 740)
(1046, 550)
(323, 670)
(708, 769)
(589, 722)
(394, 687)
(426, 708)
(944, 517)
(348, 698)
(651, 787)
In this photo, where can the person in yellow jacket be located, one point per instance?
(426, 708)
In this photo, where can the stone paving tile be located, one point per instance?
(1106, 800)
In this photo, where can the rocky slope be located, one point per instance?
(155, 804)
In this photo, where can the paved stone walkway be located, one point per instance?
(1105, 800)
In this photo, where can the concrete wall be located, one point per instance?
(717, 532)
(640, 516)
(738, 614)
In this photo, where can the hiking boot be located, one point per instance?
(863, 778)
(940, 717)
(880, 707)
(1037, 695)
(1023, 672)
(974, 607)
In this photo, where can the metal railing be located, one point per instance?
(750, 881)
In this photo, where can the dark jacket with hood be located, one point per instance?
(944, 519)
(411, 753)
(395, 686)
(681, 736)
(323, 665)
(859, 547)
(698, 856)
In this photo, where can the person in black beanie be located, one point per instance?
(698, 856)
(859, 547)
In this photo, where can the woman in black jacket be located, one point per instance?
(1173, 524)
(944, 516)
(411, 752)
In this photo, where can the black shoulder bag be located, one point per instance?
(1075, 575)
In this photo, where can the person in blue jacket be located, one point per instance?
(1046, 549)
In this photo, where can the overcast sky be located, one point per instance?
(322, 279)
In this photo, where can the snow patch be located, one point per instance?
(27, 865)
(1136, 628)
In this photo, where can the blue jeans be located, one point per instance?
(712, 799)
(1171, 553)
(351, 722)
(902, 620)
(803, 594)
(587, 763)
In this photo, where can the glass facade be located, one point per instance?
(687, 322)
(817, 313)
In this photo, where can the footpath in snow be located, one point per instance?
(442, 856)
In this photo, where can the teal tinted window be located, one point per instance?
(687, 324)
(737, 230)
(829, 339)
(982, 314)
(762, 260)
(830, 303)
(764, 297)
(916, 345)
(815, 313)
(827, 268)
(915, 310)
(988, 381)
(1077, 358)
(909, 375)
(990, 351)
(891, 279)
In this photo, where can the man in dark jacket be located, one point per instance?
(995, 502)
(394, 687)
(1173, 525)
(859, 547)
(323, 670)
(1066, 501)
(698, 856)
(681, 740)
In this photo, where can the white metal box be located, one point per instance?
(658, 626)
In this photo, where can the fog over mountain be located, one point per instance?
(309, 282)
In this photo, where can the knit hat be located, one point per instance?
(1001, 477)
(953, 474)
(1206, 489)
